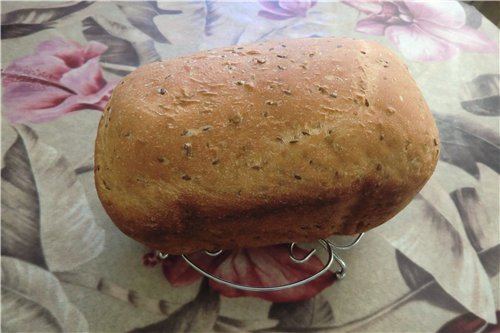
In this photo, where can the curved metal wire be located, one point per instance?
(348, 246)
(297, 260)
(326, 244)
(213, 253)
(162, 255)
(331, 258)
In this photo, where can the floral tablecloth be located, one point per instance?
(66, 267)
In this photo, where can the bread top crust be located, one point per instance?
(283, 123)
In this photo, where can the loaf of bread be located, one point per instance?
(289, 140)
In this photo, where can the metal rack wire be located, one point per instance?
(327, 245)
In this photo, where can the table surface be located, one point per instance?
(66, 267)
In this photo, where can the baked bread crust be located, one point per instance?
(288, 140)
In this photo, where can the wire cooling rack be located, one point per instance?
(327, 245)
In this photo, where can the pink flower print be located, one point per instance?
(150, 259)
(60, 77)
(422, 31)
(285, 9)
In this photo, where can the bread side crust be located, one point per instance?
(291, 140)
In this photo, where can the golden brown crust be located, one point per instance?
(268, 143)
